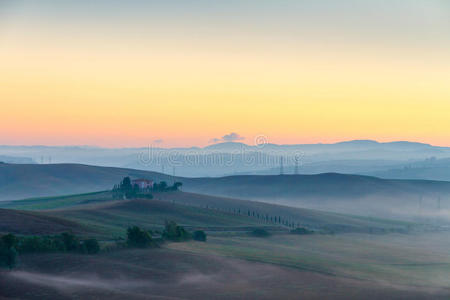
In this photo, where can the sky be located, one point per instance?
(190, 73)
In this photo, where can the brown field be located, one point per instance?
(29, 223)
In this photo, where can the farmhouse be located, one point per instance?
(142, 183)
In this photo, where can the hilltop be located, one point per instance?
(330, 191)
(37, 180)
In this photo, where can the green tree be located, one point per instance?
(174, 232)
(8, 252)
(136, 237)
(177, 186)
(11, 258)
(9, 240)
(91, 246)
(125, 185)
(71, 242)
(199, 235)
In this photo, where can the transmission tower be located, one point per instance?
(296, 167)
(281, 166)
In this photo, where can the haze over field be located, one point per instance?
(251, 149)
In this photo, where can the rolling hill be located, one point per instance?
(336, 192)
(100, 212)
(18, 181)
(356, 194)
(28, 223)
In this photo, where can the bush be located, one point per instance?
(259, 232)
(9, 240)
(139, 238)
(199, 235)
(91, 246)
(40, 244)
(8, 252)
(71, 242)
(175, 233)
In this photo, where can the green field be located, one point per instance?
(368, 258)
(43, 203)
(110, 217)
(406, 260)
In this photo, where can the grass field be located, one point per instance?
(176, 274)
(43, 203)
(397, 262)
(419, 261)
(109, 217)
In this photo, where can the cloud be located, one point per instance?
(232, 137)
(158, 141)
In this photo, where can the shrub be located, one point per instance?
(39, 244)
(259, 232)
(136, 237)
(199, 235)
(8, 252)
(71, 242)
(9, 240)
(11, 258)
(91, 246)
(175, 233)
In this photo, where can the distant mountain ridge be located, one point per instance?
(234, 158)
(16, 160)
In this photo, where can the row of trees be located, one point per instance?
(139, 238)
(11, 246)
(260, 216)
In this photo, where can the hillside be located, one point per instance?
(337, 192)
(196, 211)
(24, 222)
(18, 181)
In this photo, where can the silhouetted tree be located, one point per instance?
(71, 242)
(177, 186)
(199, 235)
(8, 252)
(91, 246)
(136, 237)
(174, 232)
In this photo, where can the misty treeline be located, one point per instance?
(140, 238)
(11, 246)
(127, 190)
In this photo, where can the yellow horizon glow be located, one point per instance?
(110, 93)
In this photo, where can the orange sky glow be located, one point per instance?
(77, 85)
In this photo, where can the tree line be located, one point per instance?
(11, 246)
(140, 238)
(126, 190)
